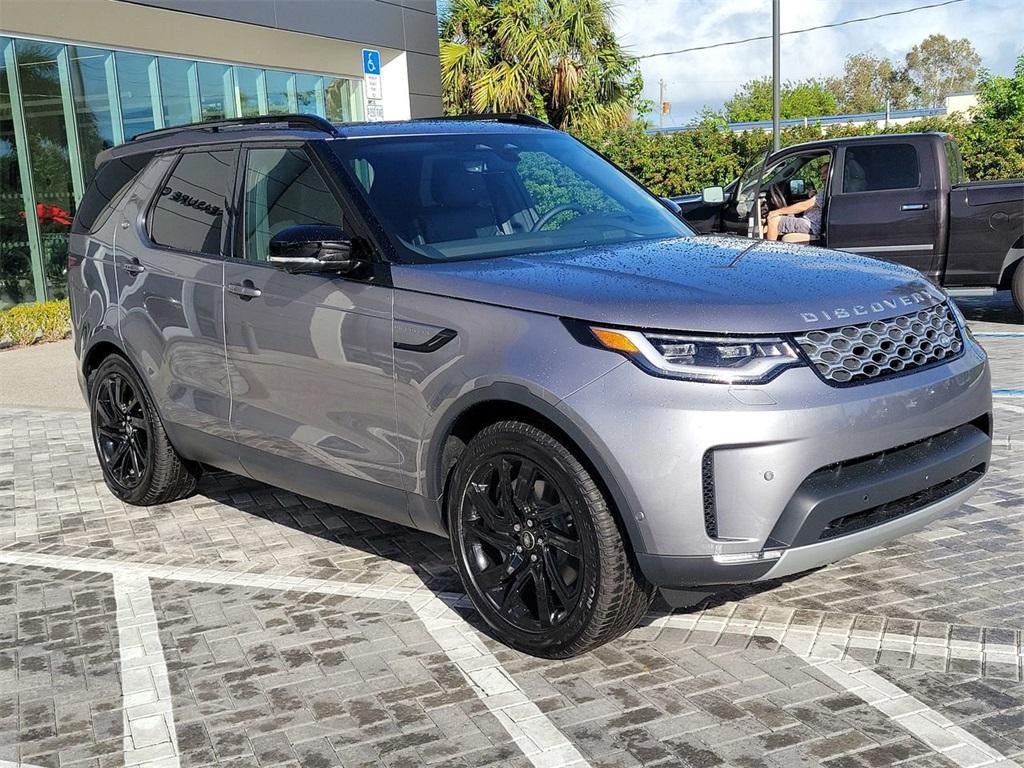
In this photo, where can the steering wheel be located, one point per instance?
(547, 217)
(777, 197)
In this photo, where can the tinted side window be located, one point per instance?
(189, 211)
(881, 166)
(954, 162)
(283, 189)
(105, 190)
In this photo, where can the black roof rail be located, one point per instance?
(518, 118)
(315, 122)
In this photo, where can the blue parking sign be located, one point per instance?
(371, 61)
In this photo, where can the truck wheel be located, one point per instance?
(140, 466)
(1017, 287)
(537, 546)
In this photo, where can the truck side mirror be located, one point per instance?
(713, 195)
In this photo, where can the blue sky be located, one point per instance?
(994, 27)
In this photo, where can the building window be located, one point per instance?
(16, 282)
(179, 91)
(216, 91)
(281, 98)
(99, 127)
(61, 105)
(251, 92)
(49, 162)
(309, 95)
(344, 99)
(137, 84)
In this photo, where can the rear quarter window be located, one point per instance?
(105, 190)
(188, 212)
(875, 167)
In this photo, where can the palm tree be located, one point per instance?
(557, 59)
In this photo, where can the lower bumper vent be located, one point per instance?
(884, 513)
(707, 476)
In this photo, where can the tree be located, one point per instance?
(938, 66)
(868, 82)
(806, 98)
(993, 142)
(1002, 98)
(557, 59)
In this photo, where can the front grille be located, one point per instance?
(881, 348)
(884, 513)
(707, 476)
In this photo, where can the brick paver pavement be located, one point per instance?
(247, 626)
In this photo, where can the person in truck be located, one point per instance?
(784, 221)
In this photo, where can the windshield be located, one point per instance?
(475, 196)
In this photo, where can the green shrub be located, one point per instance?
(32, 323)
(686, 161)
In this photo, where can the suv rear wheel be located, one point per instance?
(1017, 286)
(140, 466)
(537, 546)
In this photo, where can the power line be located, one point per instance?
(800, 31)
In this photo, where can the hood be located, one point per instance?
(721, 284)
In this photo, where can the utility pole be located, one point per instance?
(776, 105)
(661, 103)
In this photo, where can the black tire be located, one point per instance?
(140, 466)
(592, 596)
(1017, 286)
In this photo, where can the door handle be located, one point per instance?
(134, 267)
(914, 207)
(245, 290)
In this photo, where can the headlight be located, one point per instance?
(722, 359)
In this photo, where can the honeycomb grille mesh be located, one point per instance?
(881, 348)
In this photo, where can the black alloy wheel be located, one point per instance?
(537, 545)
(522, 542)
(140, 466)
(122, 431)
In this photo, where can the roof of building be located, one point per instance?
(865, 117)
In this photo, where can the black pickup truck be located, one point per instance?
(898, 197)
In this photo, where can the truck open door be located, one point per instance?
(742, 214)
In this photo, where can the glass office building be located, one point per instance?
(61, 104)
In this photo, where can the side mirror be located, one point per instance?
(796, 186)
(312, 248)
(713, 195)
(672, 205)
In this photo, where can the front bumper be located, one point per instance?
(801, 473)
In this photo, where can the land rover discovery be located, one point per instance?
(482, 329)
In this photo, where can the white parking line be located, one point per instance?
(539, 739)
(149, 735)
(541, 742)
(825, 650)
(937, 731)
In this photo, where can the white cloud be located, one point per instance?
(994, 27)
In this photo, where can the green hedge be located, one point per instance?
(686, 161)
(33, 323)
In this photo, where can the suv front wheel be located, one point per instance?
(140, 466)
(537, 546)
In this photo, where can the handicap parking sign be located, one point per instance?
(371, 62)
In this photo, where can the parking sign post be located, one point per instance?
(372, 88)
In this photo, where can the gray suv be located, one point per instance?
(482, 329)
